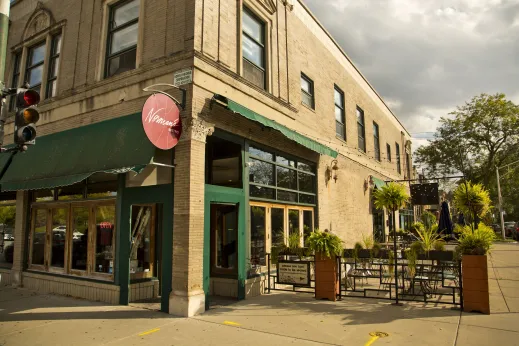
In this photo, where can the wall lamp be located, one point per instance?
(369, 183)
(331, 172)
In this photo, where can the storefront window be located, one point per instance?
(7, 219)
(278, 226)
(80, 217)
(39, 237)
(58, 238)
(223, 161)
(308, 223)
(105, 222)
(274, 176)
(72, 234)
(406, 217)
(293, 222)
(257, 229)
(142, 252)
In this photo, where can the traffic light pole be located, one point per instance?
(4, 27)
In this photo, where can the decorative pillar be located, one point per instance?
(21, 230)
(187, 296)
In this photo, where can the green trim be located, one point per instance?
(379, 183)
(291, 134)
(159, 194)
(67, 157)
(219, 194)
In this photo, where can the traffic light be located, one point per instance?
(26, 116)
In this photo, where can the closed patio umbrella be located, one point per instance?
(445, 222)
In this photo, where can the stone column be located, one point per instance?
(20, 232)
(187, 297)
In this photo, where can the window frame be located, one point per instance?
(312, 91)
(262, 45)
(111, 31)
(15, 79)
(268, 223)
(343, 113)
(54, 55)
(397, 154)
(275, 187)
(362, 126)
(29, 68)
(376, 141)
(67, 270)
(388, 152)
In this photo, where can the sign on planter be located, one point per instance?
(294, 273)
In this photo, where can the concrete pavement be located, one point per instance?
(30, 318)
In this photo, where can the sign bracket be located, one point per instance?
(184, 93)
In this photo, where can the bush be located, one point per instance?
(439, 245)
(472, 198)
(477, 242)
(325, 243)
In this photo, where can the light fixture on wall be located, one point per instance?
(331, 172)
(369, 183)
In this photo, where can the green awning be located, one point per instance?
(67, 157)
(291, 134)
(378, 182)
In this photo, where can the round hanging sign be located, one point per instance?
(161, 121)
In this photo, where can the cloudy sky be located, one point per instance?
(427, 56)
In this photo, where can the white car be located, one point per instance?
(77, 235)
(8, 236)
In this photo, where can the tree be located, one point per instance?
(473, 140)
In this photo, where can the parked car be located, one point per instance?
(510, 227)
(8, 236)
(515, 231)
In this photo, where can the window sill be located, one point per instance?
(72, 277)
(307, 107)
(341, 139)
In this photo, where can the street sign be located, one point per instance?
(183, 77)
(161, 121)
(295, 273)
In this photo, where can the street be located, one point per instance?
(31, 318)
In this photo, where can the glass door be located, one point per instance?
(224, 239)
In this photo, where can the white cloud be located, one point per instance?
(426, 57)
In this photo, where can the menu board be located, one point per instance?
(295, 273)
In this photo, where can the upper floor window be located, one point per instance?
(122, 37)
(376, 140)
(398, 167)
(16, 78)
(35, 63)
(307, 91)
(340, 123)
(361, 130)
(253, 49)
(53, 66)
(388, 149)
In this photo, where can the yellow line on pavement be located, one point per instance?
(375, 336)
(229, 323)
(149, 331)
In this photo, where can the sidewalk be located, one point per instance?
(30, 318)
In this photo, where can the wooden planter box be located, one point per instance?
(475, 284)
(326, 281)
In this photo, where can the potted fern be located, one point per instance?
(326, 247)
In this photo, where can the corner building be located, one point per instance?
(282, 134)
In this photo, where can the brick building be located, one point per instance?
(281, 134)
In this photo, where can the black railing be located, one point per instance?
(434, 278)
(273, 273)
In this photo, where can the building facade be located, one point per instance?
(281, 135)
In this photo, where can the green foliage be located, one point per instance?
(392, 196)
(294, 241)
(411, 255)
(391, 262)
(428, 237)
(472, 199)
(326, 243)
(356, 248)
(368, 241)
(472, 138)
(478, 242)
(439, 245)
(428, 219)
(417, 226)
(376, 249)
